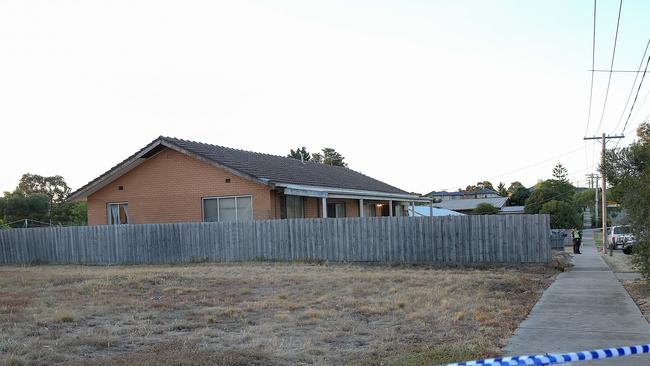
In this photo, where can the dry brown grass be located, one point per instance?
(639, 290)
(619, 262)
(260, 313)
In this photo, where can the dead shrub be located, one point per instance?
(561, 261)
(65, 317)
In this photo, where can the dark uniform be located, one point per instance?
(576, 235)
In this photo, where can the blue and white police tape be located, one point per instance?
(558, 358)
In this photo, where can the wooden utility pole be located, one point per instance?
(593, 181)
(604, 139)
(596, 194)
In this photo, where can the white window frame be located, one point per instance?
(218, 206)
(108, 213)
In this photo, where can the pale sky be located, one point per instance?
(423, 95)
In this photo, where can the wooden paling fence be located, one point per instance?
(432, 240)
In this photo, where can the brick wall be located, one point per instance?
(169, 187)
(312, 207)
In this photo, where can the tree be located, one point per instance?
(564, 215)
(479, 185)
(70, 214)
(329, 156)
(36, 193)
(586, 198)
(300, 153)
(514, 186)
(18, 206)
(560, 173)
(54, 187)
(628, 171)
(501, 188)
(551, 189)
(485, 209)
(519, 196)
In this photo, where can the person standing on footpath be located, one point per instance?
(576, 235)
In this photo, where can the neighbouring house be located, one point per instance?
(424, 211)
(175, 180)
(479, 193)
(466, 206)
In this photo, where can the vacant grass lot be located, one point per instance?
(260, 313)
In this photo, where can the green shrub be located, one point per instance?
(564, 215)
(485, 209)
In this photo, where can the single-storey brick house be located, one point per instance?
(174, 180)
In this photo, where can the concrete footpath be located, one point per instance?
(585, 308)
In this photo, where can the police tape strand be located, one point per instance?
(558, 358)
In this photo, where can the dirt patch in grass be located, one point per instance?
(260, 313)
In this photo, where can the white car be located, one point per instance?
(621, 236)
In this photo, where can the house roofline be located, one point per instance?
(138, 158)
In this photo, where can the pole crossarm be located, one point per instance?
(634, 71)
(606, 137)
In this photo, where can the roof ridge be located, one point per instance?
(293, 160)
(260, 153)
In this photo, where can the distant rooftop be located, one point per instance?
(462, 193)
(471, 203)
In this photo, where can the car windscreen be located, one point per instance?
(622, 230)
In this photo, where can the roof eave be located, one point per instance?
(353, 192)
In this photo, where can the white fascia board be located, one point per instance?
(331, 192)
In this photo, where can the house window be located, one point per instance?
(369, 210)
(295, 207)
(118, 213)
(336, 210)
(239, 208)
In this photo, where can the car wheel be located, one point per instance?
(627, 251)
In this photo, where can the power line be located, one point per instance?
(538, 163)
(638, 110)
(637, 94)
(533, 165)
(593, 61)
(636, 76)
(611, 67)
(572, 190)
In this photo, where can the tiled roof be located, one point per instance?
(279, 169)
(264, 167)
